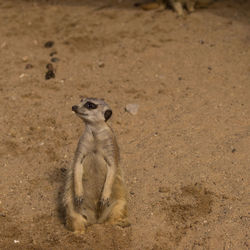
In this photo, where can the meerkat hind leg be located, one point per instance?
(118, 210)
(116, 214)
(74, 220)
(76, 223)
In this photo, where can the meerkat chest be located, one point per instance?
(95, 171)
(103, 147)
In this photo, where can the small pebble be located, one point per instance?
(49, 66)
(209, 68)
(53, 53)
(202, 42)
(25, 58)
(164, 189)
(49, 44)
(179, 78)
(55, 59)
(101, 64)
(132, 193)
(233, 150)
(22, 75)
(132, 108)
(50, 74)
(3, 45)
(29, 66)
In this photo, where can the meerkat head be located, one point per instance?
(92, 110)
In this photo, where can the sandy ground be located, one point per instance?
(185, 154)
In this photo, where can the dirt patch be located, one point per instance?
(185, 210)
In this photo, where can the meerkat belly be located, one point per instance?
(93, 178)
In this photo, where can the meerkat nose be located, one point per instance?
(74, 108)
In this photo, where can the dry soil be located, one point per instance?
(185, 154)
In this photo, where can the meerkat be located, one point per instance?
(95, 191)
(177, 5)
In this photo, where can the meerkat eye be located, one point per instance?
(90, 105)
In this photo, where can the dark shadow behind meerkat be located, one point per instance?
(94, 189)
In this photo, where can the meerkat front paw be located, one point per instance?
(79, 200)
(104, 202)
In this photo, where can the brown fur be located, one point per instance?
(95, 190)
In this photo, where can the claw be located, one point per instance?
(78, 200)
(123, 223)
(104, 203)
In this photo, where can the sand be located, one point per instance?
(185, 153)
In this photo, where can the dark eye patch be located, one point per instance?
(90, 105)
(107, 114)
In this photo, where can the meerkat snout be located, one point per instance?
(74, 108)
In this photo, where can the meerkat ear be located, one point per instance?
(107, 114)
